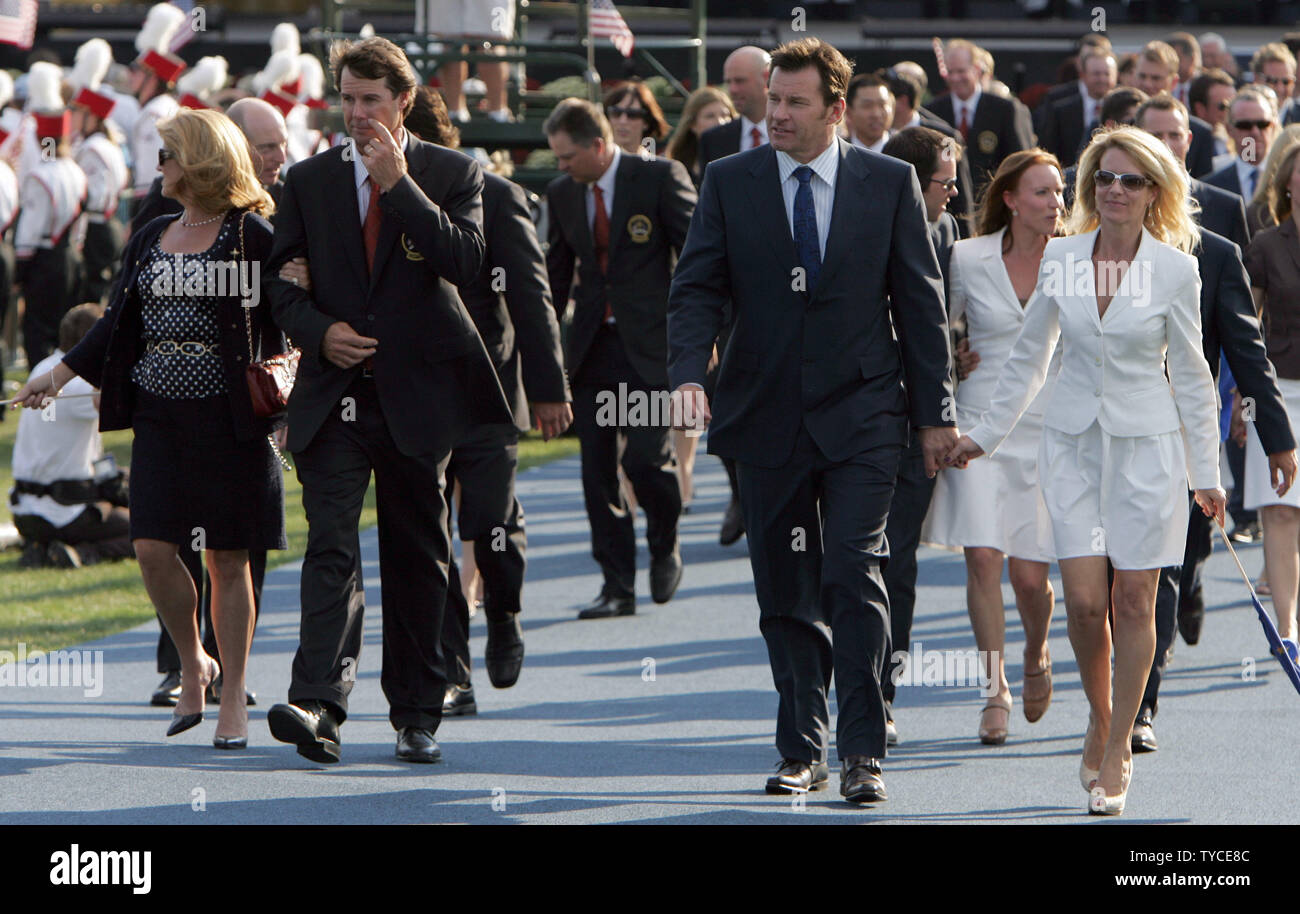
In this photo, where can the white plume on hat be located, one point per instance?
(44, 82)
(367, 31)
(283, 67)
(313, 76)
(160, 26)
(284, 37)
(6, 88)
(93, 60)
(204, 78)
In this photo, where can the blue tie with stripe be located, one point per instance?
(805, 228)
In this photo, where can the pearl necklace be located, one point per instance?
(204, 222)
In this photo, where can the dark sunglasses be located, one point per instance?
(1126, 181)
(1278, 80)
(164, 155)
(1243, 126)
(636, 113)
(950, 184)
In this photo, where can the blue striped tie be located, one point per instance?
(805, 228)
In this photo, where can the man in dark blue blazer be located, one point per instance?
(832, 355)
(393, 374)
(1252, 127)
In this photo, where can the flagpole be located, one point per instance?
(593, 79)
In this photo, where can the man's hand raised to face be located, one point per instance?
(383, 158)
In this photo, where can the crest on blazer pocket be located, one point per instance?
(987, 141)
(409, 248)
(639, 228)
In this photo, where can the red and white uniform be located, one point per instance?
(145, 141)
(106, 174)
(51, 200)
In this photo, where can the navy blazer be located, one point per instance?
(106, 355)
(1229, 323)
(834, 358)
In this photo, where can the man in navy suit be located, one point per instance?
(1157, 71)
(815, 394)
(393, 374)
(1067, 122)
(1252, 126)
(745, 74)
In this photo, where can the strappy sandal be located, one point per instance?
(992, 735)
(1036, 691)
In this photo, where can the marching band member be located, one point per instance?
(153, 74)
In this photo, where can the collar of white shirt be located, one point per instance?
(747, 130)
(1244, 170)
(877, 146)
(606, 181)
(826, 166)
(970, 104)
(359, 173)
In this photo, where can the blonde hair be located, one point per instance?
(685, 145)
(1265, 200)
(1169, 218)
(216, 169)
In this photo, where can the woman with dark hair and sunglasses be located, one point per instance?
(634, 116)
(169, 356)
(1132, 417)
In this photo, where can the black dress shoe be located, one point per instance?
(415, 744)
(312, 726)
(504, 656)
(168, 691)
(1191, 615)
(606, 605)
(891, 733)
(458, 701)
(1247, 533)
(795, 776)
(861, 781)
(733, 524)
(665, 575)
(214, 693)
(1144, 736)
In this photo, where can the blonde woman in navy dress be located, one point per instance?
(1122, 296)
(995, 509)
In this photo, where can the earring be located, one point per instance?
(1015, 212)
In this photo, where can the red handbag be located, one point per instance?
(270, 381)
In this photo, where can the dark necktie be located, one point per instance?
(370, 228)
(1252, 177)
(805, 227)
(600, 238)
(964, 126)
(755, 137)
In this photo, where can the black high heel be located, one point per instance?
(182, 722)
(230, 742)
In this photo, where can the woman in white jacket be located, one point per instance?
(994, 511)
(1123, 297)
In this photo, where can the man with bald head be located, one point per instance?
(745, 73)
(263, 125)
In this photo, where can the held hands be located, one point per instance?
(936, 442)
(296, 272)
(1212, 502)
(962, 453)
(345, 347)
(690, 408)
(382, 156)
(551, 418)
(40, 388)
(1281, 471)
(966, 360)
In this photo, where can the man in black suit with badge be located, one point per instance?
(618, 221)
(832, 353)
(393, 373)
(990, 127)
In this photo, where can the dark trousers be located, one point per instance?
(816, 545)
(1178, 591)
(51, 280)
(101, 253)
(646, 457)
(169, 659)
(334, 470)
(99, 533)
(491, 517)
(912, 493)
(1236, 498)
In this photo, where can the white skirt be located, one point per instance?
(996, 501)
(1258, 493)
(1125, 498)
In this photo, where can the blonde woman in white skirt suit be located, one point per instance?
(1122, 296)
(994, 510)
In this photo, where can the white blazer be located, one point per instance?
(1113, 368)
(980, 289)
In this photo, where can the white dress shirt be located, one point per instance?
(361, 176)
(825, 169)
(1244, 172)
(747, 133)
(969, 105)
(877, 146)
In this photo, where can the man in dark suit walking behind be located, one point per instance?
(393, 373)
(618, 219)
(815, 394)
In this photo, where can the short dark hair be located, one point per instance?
(375, 58)
(864, 81)
(1117, 102)
(430, 121)
(583, 121)
(832, 66)
(1198, 93)
(922, 148)
(901, 86)
(77, 323)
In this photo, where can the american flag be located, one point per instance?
(607, 22)
(18, 22)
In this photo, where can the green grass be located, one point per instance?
(52, 608)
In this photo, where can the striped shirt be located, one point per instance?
(825, 168)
